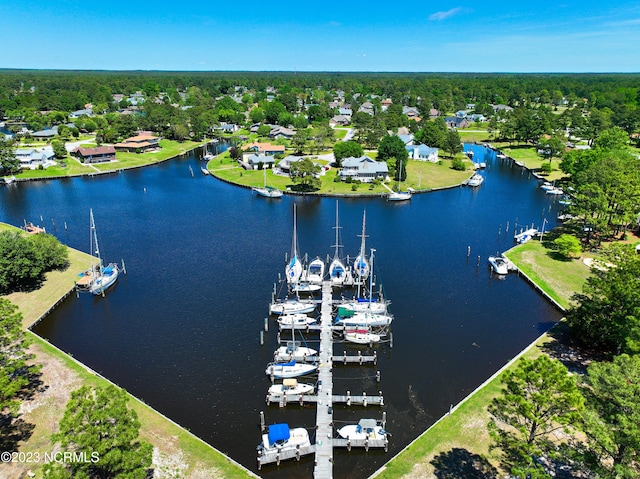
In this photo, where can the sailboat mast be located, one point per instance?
(337, 228)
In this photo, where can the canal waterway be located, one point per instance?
(181, 329)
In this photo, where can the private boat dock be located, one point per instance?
(324, 400)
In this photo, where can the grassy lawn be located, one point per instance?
(557, 277)
(530, 158)
(473, 135)
(61, 374)
(465, 430)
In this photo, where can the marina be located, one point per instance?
(187, 342)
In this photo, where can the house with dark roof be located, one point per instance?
(364, 169)
(99, 154)
(79, 113)
(278, 131)
(258, 162)
(340, 120)
(456, 122)
(47, 134)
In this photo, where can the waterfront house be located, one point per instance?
(364, 169)
(98, 154)
(33, 158)
(285, 164)
(258, 162)
(139, 144)
(422, 152)
(264, 148)
(226, 128)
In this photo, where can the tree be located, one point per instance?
(9, 163)
(346, 149)
(539, 398)
(304, 173)
(235, 153)
(59, 149)
(568, 245)
(452, 143)
(550, 148)
(392, 146)
(98, 422)
(264, 130)
(606, 317)
(299, 140)
(612, 139)
(14, 372)
(612, 417)
(433, 134)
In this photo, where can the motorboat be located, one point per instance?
(365, 429)
(292, 369)
(280, 438)
(204, 170)
(475, 180)
(291, 306)
(294, 350)
(297, 320)
(499, 264)
(525, 235)
(315, 271)
(361, 336)
(554, 191)
(291, 387)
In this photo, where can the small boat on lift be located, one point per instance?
(499, 264)
(280, 438)
(365, 429)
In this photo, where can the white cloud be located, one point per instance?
(443, 15)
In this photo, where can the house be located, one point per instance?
(79, 113)
(433, 114)
(258, 162)
(285, 164)
(47, 134)
(264, 148)
(98, 154)
(386, 103)
(281, 132)
(32, 158)
(139, 144)
(462, 113)
(477, 117)
(345, 111)
(501, 107)
(422, 152)
(411, 112)
(227, 128)
(340, 120)
(366, 107)
(456, 122)
(364, 169)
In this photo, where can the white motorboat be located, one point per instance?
(547, 186)
(291, 306)
(365, 429)
(361, 336)
(267, 191)
(9, 179)
(204, 170)
(293, 270)
(501, 156)
(280, 438)
(297, 320)
(98, 278)
(475, 180)
(499, 264)
(315, 271)
(294, 351)
(525, 235)
(291, 369)
(291, 387)
(482, 164)
(554, 191)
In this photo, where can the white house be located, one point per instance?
(364, 169)
(422, 153)
(32, 158)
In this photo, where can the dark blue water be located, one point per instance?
(181, 329)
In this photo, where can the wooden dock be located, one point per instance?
(324, 411)
(348, 399)
(276, 457)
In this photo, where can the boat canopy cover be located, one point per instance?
(366, 300)
(367, 423)
(278, 432)
(290, 382)
(107, 270)
(291, 363)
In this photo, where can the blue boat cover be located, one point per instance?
(278, 432)
(292, 363)
(107, 270)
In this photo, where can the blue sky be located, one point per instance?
(425, 36)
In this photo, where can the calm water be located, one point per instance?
(181, 329)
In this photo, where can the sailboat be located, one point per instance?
(315, 271)
(400, 195)
(338, 273)
(99, 277)
(293, 270)
(361, 265)
(207, 155)
(267, 191)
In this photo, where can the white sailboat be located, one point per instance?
(291, 306)
(298, 320)
(361, 265)
(361, 336)
(400, 195)
(294, 350)
(339, 275)
(207, 155)
(292, 369)
(315, 271)
(98, 278)
(293, 270)
(267, 191)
